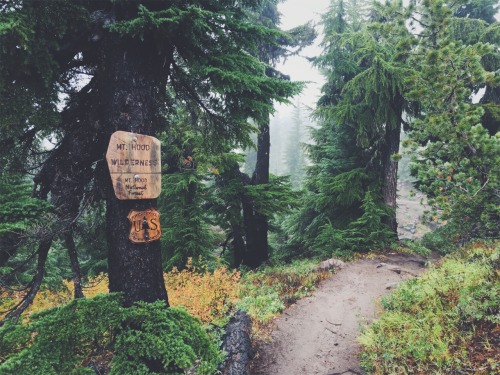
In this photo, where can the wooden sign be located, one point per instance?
(145, 226)
(134, 161)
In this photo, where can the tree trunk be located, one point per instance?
(133, 92)
(75, 265)
(390, 175)
(258, 250)
(36, 282)
(239, 247)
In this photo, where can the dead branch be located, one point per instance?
(36, 282)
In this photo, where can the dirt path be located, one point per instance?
(318, 334)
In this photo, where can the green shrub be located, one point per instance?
(430, 322)
(268, 290)
(445, 240)
(90, 336)
(416, 247)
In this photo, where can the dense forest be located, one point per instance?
(243, 198)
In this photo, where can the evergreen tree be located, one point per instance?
(250, 231)
(372, 94)
(458, 163)
(353, 175)
(294, 153)
(132, 60)
(276, 160)
(186, 192)
(21, 216)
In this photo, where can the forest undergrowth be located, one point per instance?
(445, 322)
(209, 296)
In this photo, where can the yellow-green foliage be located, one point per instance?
(46, 298)
(429, 322)
(210, 296)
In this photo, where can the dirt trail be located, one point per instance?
(318, 334)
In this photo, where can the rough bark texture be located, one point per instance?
(238, 346)
(133, 94)
(258, 248)
(389, 190)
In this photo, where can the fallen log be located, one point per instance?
(238, 346)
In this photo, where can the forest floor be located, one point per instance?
(317, 335)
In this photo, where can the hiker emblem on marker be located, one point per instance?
(144, 226)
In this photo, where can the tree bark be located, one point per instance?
(258, 248)
(237, 344)
(134, 90)
(75, 265)
(390, 175)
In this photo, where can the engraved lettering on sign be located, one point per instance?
(134, 162)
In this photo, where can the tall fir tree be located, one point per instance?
(294, 152)
(250, 231)
(132, 60)
(353, 176)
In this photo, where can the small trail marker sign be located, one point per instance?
(134, 161)
(145, 226)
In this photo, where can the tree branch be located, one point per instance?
(36, 282)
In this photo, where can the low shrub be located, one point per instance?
(99, 335)
(266, 291)
(430, 324)
(210, 296)
(445, 239)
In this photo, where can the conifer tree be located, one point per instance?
(294, 153)
(372, 95)
(250, 231)
(121, 65)
(457, 164)
(353, 175)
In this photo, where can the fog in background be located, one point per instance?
(290, 123)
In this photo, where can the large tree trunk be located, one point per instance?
(390, 175)
(258, 249)
(134, 90)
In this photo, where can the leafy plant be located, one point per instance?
(267, 291)
(210, 296)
